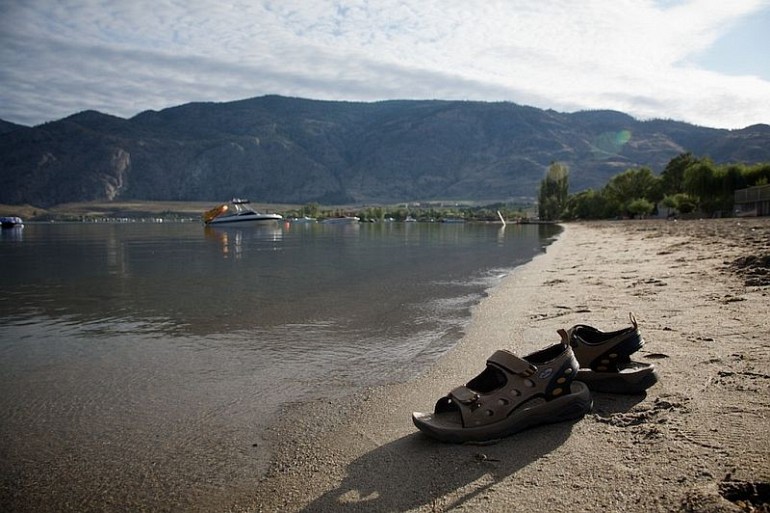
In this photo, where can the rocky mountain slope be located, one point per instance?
(289, 150)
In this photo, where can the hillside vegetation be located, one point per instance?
(286, 150)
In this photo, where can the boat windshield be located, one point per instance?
(240, 207)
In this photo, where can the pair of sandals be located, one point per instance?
(551, 385)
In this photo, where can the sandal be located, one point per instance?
(605, 359)
(510, 395)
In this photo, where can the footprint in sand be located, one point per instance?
(729, 496)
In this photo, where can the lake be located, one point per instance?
(141, 363)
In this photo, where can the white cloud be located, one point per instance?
(123, 57)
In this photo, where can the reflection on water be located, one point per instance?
(13, 233)
(231, 238)
(211, 280)
(142, 362)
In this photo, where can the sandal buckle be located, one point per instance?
(464, 395)
(529, 371)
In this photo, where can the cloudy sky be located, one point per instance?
(702, 61)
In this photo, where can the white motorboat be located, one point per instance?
(341, 220)
(238, 211)
(301, 220)
(11, 222)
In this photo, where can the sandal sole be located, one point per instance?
(632, 380)
(569, 407)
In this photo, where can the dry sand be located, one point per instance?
(699, 290)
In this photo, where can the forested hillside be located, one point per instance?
(288, 150)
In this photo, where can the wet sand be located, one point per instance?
(700, 292)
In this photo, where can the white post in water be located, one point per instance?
(501, 217)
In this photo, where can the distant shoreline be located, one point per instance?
(121, 209)
(193, 211)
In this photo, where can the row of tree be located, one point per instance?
(421, 213)
(687, 184)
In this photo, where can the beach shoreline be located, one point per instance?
(699, 290)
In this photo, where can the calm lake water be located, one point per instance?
(140, 363)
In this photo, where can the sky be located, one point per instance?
(705, 62)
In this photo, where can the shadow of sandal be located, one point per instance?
(606, 404)
(415, 471)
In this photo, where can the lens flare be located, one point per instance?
(609, 144)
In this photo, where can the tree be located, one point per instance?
(311, 210)
(630, 185)
(640, 207)
(714, 186)
(758, 174)
(588, 204)
(554, 191)
(698, 180)
(703, 183)
(687, 184)
(681, 202)
(673, 175)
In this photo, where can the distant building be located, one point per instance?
(754, 201)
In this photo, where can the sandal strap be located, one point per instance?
(632, 318)
(604, 351)
(511, 363)
(464, 395)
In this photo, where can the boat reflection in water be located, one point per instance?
(15, 233)
(233, 238)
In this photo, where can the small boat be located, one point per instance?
(237, 211)
(304, 219)
(341, 220)
(11, 222)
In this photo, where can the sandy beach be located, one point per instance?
(698, 441)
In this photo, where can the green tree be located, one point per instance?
(698, 180)
(714, 186)
(687, 184)
(554, 191)
(640, 207)
(681, 202)
(311, 210)
(673, 175)
(758, 174)
(588, 204)
(630, 185)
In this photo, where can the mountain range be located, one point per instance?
(290, 150)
